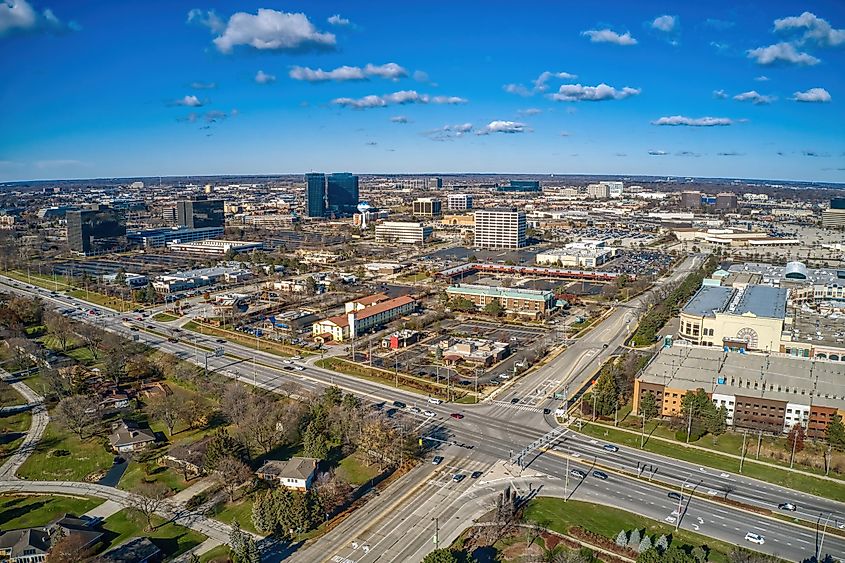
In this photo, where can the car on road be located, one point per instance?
(515, 400)
(610, 448)
(476, 474)
(415, 410)
(133, 328)
(456, 415)
(296, 357)
(457, 478)
(787, 506)
(675, 496)
(399, 404)
(600, 474)
(289, 368)
(221, 340)
(299, 368)
(172, 339)
(755, 538)
(434, 400)
(287, 362)
(430, 413)
(547, 411)
(438, 459)
(578, 473)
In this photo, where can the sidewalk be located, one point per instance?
(184, 495)
(724, 454)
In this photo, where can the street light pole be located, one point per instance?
(824, 531)
(742, 458)
(680, 500)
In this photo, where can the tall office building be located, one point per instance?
(342, 193)
(726, 200)
(499, 228)
(427, 207)
(95, 230)
(691, 199)
(459, 202)
(835, 216)
(315, 194)
(200, 213)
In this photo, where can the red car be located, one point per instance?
(456, 415)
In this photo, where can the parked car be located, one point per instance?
(434, 400)
(399, 404)
(438, 459)
(476, 474)
(457, 478)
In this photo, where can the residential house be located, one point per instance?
(136, 550)
(128, 436)
(295, 473)
(31, 545)
(188, 459)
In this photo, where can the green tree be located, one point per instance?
(835, 432)
(648, 406)
(314, 441)
(461, 303)
(494, 308)
(605, 394)
(149, 293)
(441, 556)
(120, 278)
(221, 445)
(622, 538)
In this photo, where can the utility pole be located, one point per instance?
(689, 422)
(642, 434)
(759, 442)
(566, 483)
(794, 443)
(824, 531)
(595, 398)
(742, 458)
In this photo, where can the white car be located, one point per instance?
(299, 368)
(430, 413)
(434, 401)
(755, 538)
(287, 362)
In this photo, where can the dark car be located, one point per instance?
(610, 448)
(456, 415)
(458, 478)
(220, 340)
(600, 474)
(675, 496)
(399, 404)
(437, 460)
(118, 459)
(547, 411)
(287, 367)
(476, 474)
(515, 400)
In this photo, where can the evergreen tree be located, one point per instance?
(441, 556)
(635, 538)
(251, 553)
(150, 293)
(648, 406)
(622, 539)
(606, 394)
(699, 554)
(650, 556)
(314, 441)
(236, 541)
(645, 544)
(263, 514)
(662, 543)
(835, 432)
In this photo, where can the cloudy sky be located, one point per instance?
(720, 88)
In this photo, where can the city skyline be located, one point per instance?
(653, 89)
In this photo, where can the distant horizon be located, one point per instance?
(429, 174)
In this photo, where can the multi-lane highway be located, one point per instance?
(496, 430)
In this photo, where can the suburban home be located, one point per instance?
(31, 545)
(130, 436)
(136, 550)
(295, 473)
(189, 458)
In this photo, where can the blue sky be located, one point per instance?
(733, 89)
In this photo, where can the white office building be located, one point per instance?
(499, 228)
(403, 232)
(459, 202)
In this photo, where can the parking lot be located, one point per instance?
(639, 262)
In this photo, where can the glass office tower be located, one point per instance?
(342, 193)
(315, 194)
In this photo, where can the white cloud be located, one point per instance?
(262, 77)
(339, 20)
(399, 98)
(420, 76)
(266, 30)
(18, 16)
(203, 85)
(389, 70)
(781, 53)
(720, 94)
(578, 93)
(676, 120)
(657, 153)
(754, 97)
(529, 111)
(664, 23)
(190, 101)
(517, 89)
(400, 119)
(609, 36)
(762, 78)
(816, 29)
(540, 83)
(503, 127)
(448, 132)
(817, 95)
(347, 73)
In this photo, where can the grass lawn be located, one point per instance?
(354, 471)
(420, 386)
(172, 539)
(109, 301)
(240, 510)
(51, 342)
(276, 348)
(86, 457)
(9, 397)
(135, 475)
(164, 317)
(411, 278)
(219, 554)
(12, 432)
(41, 280)
(798, 481)
(82, 355)
(27, 511)
(557, 515)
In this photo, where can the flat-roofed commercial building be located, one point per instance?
(574, 257)
(459, 202)
(527, 302)
(726, 201)
(520, 186)
(403, 232)
(428, 207)
(760, 391)
(96, 230)
(200, 212)
(499, 228)
(157, 238)
(833, 218)
(214, 246)
(691, 199)
(749, 317)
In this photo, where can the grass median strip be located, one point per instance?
(782, 477)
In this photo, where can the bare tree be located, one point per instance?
(59, 326)
(231, 473)
(93, 337)
(236, 402)
(78, 414)
(70, 548)
(149, 500)
(169, 409)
